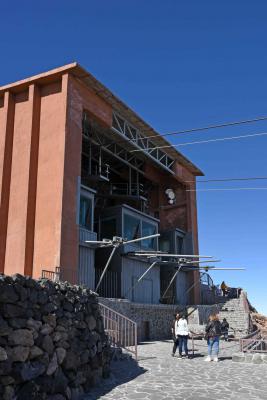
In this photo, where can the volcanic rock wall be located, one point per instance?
(52, 340)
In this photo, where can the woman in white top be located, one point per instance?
(182, 331)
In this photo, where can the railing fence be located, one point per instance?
(122, 331)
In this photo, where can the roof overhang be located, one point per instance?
(90, 81)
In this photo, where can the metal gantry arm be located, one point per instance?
(158, 254)
(106, 266)
(115, 243)
(171, 281)
(195, 283)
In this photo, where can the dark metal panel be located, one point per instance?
(181, 287)
(144, 292)
(86, 271)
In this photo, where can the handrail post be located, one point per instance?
(193, 345)
(135, 340)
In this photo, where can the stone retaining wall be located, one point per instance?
(52, 340)
(154, 321)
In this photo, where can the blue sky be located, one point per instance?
(179, 64)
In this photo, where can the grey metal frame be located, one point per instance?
(90, 194)
(143, 218)
(117, 151)
(135, 137)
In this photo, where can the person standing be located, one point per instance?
(175, 338)
(224, 288)
(213, 332)
(225, 329)
(182, 332)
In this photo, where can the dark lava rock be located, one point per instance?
(42, 297)
(18, 323)
(5, 367)
(8, 294)
(29, 371)
(72, 361)
(23, 337)
(48, 345)
(4, 328)
(30, 391)
(33, 296)
(12, 311)
(21, 291)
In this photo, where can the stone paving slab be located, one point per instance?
(158, 376)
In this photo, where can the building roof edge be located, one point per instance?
(89, 80)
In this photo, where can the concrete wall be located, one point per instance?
(40, 161)
(32, 155)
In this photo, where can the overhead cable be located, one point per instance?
(201, 142)
(205, 128)
(229, 179)
(223, 189)
(208, 127)
(201, 129)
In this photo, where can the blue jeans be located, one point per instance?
(213, 345)
(183, 344)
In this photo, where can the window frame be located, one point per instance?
(142, 219)
(88, 194)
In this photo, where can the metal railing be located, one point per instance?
(124, 188)
(62, 275)
(109, 284)
(122, 331)
(253, 343)
(51, 275)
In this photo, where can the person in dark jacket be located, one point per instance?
(175, 338)
(225, 289)
(213, 332)
(225, 329)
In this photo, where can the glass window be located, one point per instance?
(131, 228)
(147, 230)
(165, 245)
(86, 212)
(108, 228)
(179, 245)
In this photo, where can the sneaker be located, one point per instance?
(215, 359)
(208, 359)
(179, 356)
(172, 354)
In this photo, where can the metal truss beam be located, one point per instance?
(118, 152)
(135, 137)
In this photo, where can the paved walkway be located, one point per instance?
(158, 376)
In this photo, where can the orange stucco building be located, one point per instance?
(66, 144)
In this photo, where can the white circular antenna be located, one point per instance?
(171, 196)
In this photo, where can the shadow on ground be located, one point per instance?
(121, 372)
